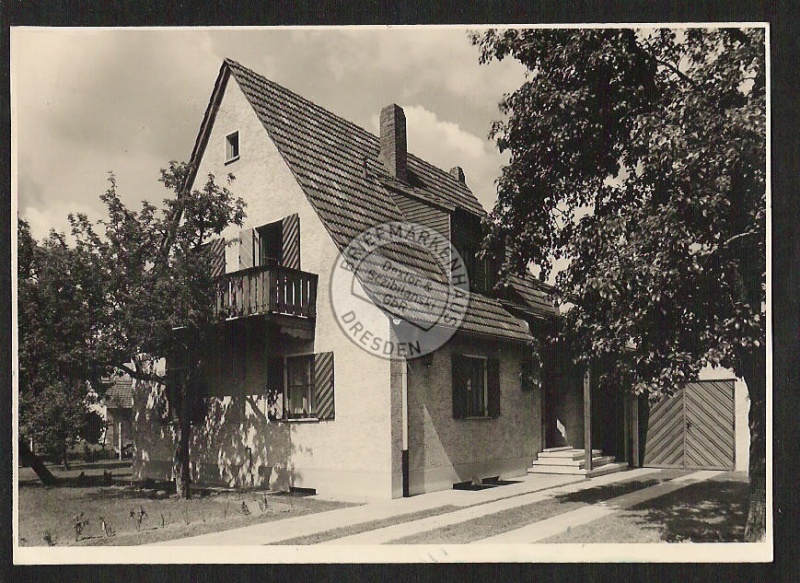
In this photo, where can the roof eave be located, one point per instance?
(209, 116)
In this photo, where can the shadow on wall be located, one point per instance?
(237, 445)
(444, 451)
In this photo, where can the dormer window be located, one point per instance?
(232, 147)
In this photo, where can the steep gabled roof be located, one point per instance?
(336, 164)
(120, 394)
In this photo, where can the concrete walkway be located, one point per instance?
(529, 489)
(311, 524)
(398, 531)
(556, 525)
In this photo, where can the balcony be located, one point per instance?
(265, 290)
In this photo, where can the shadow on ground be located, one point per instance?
(484, 485)
(711, 511)
(88, 476)
(602, 493)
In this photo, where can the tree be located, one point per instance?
(639, 157)
(94, 427)
(158, 292)
(57, 298)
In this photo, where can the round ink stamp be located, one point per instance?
(408, 274)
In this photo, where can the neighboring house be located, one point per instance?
(119, 408)
(348, 422)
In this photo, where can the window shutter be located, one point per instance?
(459, 394)
(216, 260)
(275, 386)
(323, 385)
(256, 247)
(493, 388)
(290, 251)
(246, 250)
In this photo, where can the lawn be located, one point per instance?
(710, 511)
(513, 518)
(329, 535)
(134, 514)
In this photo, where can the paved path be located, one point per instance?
(311, 524)
(530, 489)
(556, 525)
(398, 531)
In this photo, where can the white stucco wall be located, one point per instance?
(351, 454)
(443, 450)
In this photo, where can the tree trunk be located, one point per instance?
(181, 462)
(64, 456)
(755, 377)
(31, 459)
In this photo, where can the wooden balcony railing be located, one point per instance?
(267, 289)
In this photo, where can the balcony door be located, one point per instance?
(270, 244)
(275, 243)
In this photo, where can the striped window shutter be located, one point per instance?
(275, 386)
(290, 252)
(323, 385)
(246, 249)
(256, 247)
(459, 392)
(217, 257)
(493, 387)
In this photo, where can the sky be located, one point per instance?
(86, 102)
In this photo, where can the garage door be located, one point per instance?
(693, 429)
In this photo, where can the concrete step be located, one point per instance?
(597, 461)
(608, 468)
(567, 453)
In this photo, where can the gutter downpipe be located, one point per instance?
(404, 461)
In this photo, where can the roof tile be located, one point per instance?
(120, 394)
(328, 155)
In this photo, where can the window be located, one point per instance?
(232, 147)
(299, 385)
(479, 269)
(305, 383)
(270, 244)
(476, 386)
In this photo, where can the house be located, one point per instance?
(118, 401)
(300, 392)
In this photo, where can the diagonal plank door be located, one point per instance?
(663, 447)
(710, 441)
(693, 429)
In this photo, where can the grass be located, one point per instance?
(321, 537)
(513, 518)
(710, 511)
(137, 515)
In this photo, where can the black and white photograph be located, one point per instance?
(374, 294)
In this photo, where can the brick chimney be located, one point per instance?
(394, 153)
(458, 173)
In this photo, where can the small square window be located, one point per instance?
(232, 147)
(476, 386)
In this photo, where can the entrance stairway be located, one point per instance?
(570, 461)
